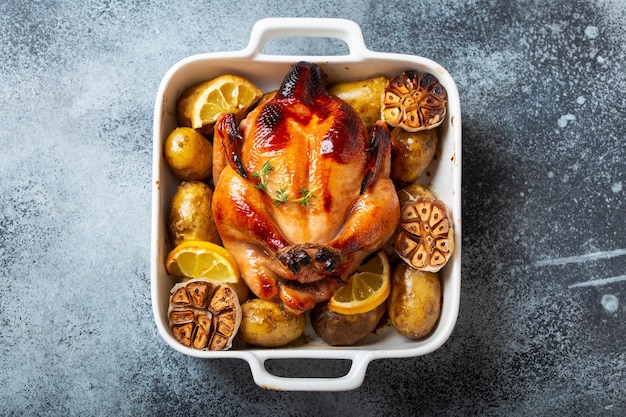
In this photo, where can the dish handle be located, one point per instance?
(277, 27)
(352, 380)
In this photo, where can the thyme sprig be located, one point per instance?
(262, 176)
(280, 196)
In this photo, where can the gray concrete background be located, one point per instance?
(542, 327)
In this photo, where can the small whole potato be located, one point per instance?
(268, 324)
(189, 154)
(411, 152)
(411, 192)
(364, 96)
(414, 305)
(344, 329)
(190, 215)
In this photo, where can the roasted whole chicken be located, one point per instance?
(302, 191)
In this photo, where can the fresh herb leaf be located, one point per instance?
(281, 196)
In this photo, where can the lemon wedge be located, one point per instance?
(367, 288)
(200, 259)
(200, 105)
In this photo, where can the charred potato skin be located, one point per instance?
(411, 153)
(344, 329)
(414, 305)
(268, 324)
(190, 216)
(189, 154)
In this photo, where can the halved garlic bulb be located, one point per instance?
(204, 315)
(426, 237)
(415, 101)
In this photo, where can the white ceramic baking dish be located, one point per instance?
(267, 71)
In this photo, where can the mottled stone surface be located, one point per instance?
(542, 325)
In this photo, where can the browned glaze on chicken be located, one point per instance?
(302, 193)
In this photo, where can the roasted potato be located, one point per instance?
(411, 152)
(414, 305)
(344, 329)
(411, 192)
(190, 215)
(269, 324)
(364, 96)
(189, 154)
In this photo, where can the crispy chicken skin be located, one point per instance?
(302, 192)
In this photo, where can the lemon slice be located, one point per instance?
(201, 104)
(200, 259)
(367, 288)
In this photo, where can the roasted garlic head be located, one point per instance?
(204, 315)
(426, 237)
(415, 101)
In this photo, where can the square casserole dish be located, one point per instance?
(267, 71)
